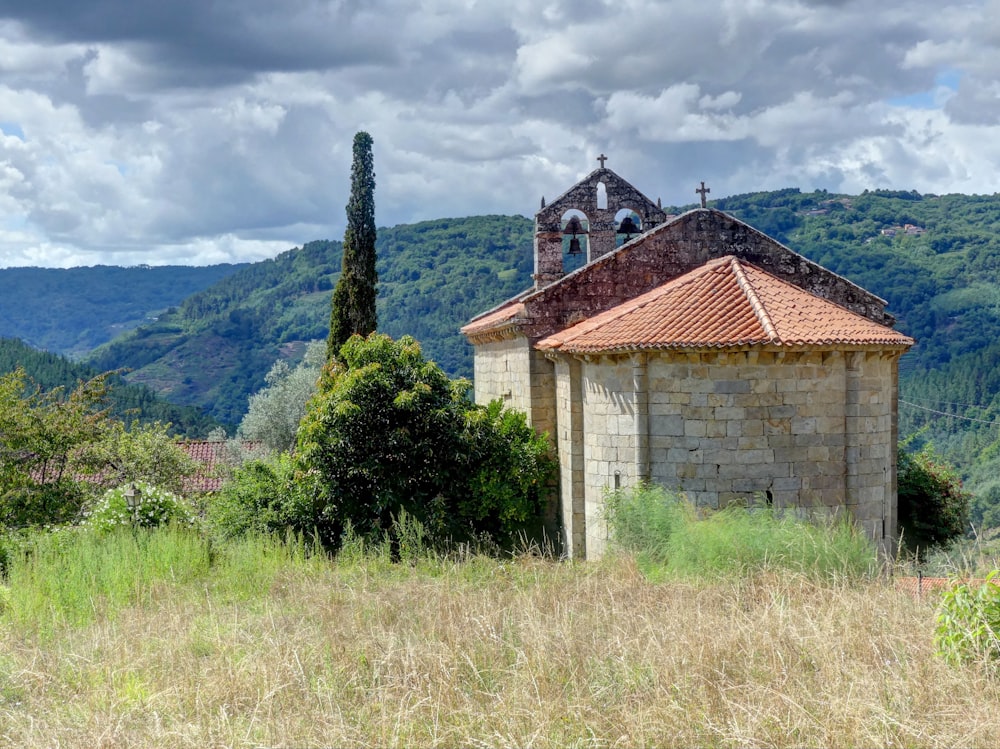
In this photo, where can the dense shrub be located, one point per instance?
(933, 506)
(508, 469)
(389, 433)
(155, 507)
(968, 622)
(263, 497)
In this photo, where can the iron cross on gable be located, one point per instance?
(602, 158)
(702, 191)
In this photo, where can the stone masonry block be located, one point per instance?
(731, 386)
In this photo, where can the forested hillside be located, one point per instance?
(126, 402)
(71, 311)
(936, 259)
(216, 347)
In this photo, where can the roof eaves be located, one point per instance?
(741, 345)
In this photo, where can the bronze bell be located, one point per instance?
(574, 227)
(628, 228)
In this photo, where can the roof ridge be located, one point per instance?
(755, 303)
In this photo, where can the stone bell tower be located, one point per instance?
(599, 197)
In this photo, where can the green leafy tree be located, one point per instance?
(933, 505)
(263, 496)
(353, 303)
(389, 434)
(140, 452)
(58, 450)
(41, 435)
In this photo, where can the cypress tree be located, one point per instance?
(354, 297)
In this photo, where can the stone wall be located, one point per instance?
(502, 370)
(570, 451)
(808, 429)
(510, 369)
(609, 441)
(673, 249)
(872, 435)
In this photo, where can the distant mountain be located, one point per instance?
(127, 402)
(214, 349)
(72, 311)
(936, 259)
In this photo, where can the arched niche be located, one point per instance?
(602, 196)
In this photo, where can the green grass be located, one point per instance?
(74, 577)
(672, 538)
(160, 638)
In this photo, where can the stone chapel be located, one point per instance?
(701, 355)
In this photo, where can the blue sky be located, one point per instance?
(202, 131)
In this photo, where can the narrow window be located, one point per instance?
(602, 196)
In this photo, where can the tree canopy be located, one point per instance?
(59, 448)
(353, 304)
(389, 433)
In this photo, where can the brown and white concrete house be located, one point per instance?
(701, 355)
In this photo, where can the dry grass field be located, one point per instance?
(265, 649)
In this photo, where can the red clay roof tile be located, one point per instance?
(726, 302)
(493, 319)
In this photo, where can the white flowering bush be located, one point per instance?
(155, 506)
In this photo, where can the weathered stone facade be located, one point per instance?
(810, 429)
(804, 426)
(510, 368)
(598, 198)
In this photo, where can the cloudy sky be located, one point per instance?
(203, 131)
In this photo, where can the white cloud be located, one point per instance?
(199, 132)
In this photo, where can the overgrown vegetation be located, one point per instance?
(672, 538)
(59, 450)
(263, 496)
(933, 505)
(968, 623)
(159, 638)
(151, 506)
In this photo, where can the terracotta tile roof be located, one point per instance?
(493, 319)
(210, 457)
(726, 302)
(202, 451)
(208, 476)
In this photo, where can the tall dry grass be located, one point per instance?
(527, 652)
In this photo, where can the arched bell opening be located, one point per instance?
(628, 224)
(576, 241)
